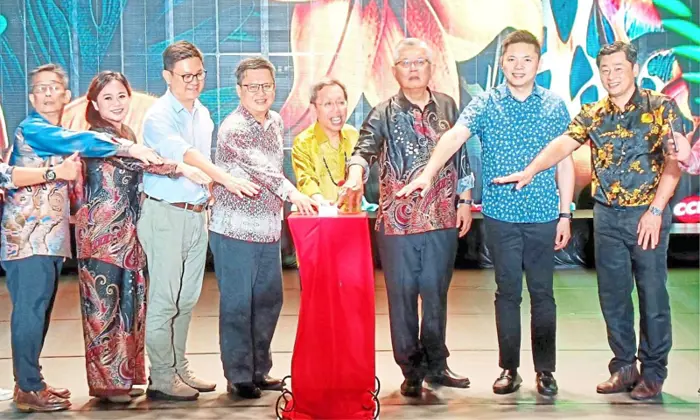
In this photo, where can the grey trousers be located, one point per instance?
(175, 241)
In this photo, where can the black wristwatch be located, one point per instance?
(462, 202)
(50, 175)
(566, 216)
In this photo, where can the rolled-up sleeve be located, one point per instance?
(161, 133)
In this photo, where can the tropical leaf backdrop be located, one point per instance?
(351, 40)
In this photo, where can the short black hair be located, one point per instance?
(616, 47)
(521, 37)
(181, 50)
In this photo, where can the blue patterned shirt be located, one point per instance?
(512, 133)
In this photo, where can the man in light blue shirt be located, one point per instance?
(173, 225)
(514, 122)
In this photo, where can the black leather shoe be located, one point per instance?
(268, 383)
(247, 390)
(448, 378)
(412, 388)
(507, 383)
(546, 384)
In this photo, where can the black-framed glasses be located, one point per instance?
(255, 87)
(418, 63)
(189, 77)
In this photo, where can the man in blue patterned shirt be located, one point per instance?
(514, 122)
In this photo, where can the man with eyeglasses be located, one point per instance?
(173, 223)
(245, 231)
(321, 151)
(416, 235)
(36, 227)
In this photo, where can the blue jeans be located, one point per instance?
(418, 265)
(249, 275)
(32, 284)
(620, 263)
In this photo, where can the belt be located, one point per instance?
(197, 208)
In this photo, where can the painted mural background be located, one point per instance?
(348, 39)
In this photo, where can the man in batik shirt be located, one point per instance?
(416, 235)
(634, 176)
(245, 231)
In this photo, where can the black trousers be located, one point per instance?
(418, 265)
(514, 247)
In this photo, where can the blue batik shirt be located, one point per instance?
(512, 133)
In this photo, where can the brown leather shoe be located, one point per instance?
(59, 392)
(646, 390)
(39, 401)
(623, 380)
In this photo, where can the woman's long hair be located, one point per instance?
(92, 116)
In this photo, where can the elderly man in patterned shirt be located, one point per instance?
(245, 231)
(514, 121)
(416, 235)
(634, 176)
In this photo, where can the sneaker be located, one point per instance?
(200, 385)
(172, 389)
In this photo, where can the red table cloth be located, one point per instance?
(333, 365)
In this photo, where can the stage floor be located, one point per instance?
(583, 355)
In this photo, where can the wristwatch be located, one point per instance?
(463, 202)
(566, 216)
(50, 175)
(655, 211)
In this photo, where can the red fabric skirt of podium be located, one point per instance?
(333, 364)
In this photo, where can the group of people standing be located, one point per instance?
(234, 206)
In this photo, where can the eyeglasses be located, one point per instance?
(189, 78)
(407, 64)
(44, 89)
(254, 87)
(329, 105)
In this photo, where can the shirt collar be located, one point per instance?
(321, 136)
(406, 105)
(504, 91)
(177, 105)
(634, 102)
(250, 119)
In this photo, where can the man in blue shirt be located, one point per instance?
(173, 224)
(514, 121)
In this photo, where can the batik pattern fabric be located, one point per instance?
(112, 283)
(400, 136)
(628, 145)
(253, 151)
(36, 218)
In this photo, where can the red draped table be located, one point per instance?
(333, 365)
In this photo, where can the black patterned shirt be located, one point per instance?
(400, 137)
(628, 146)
